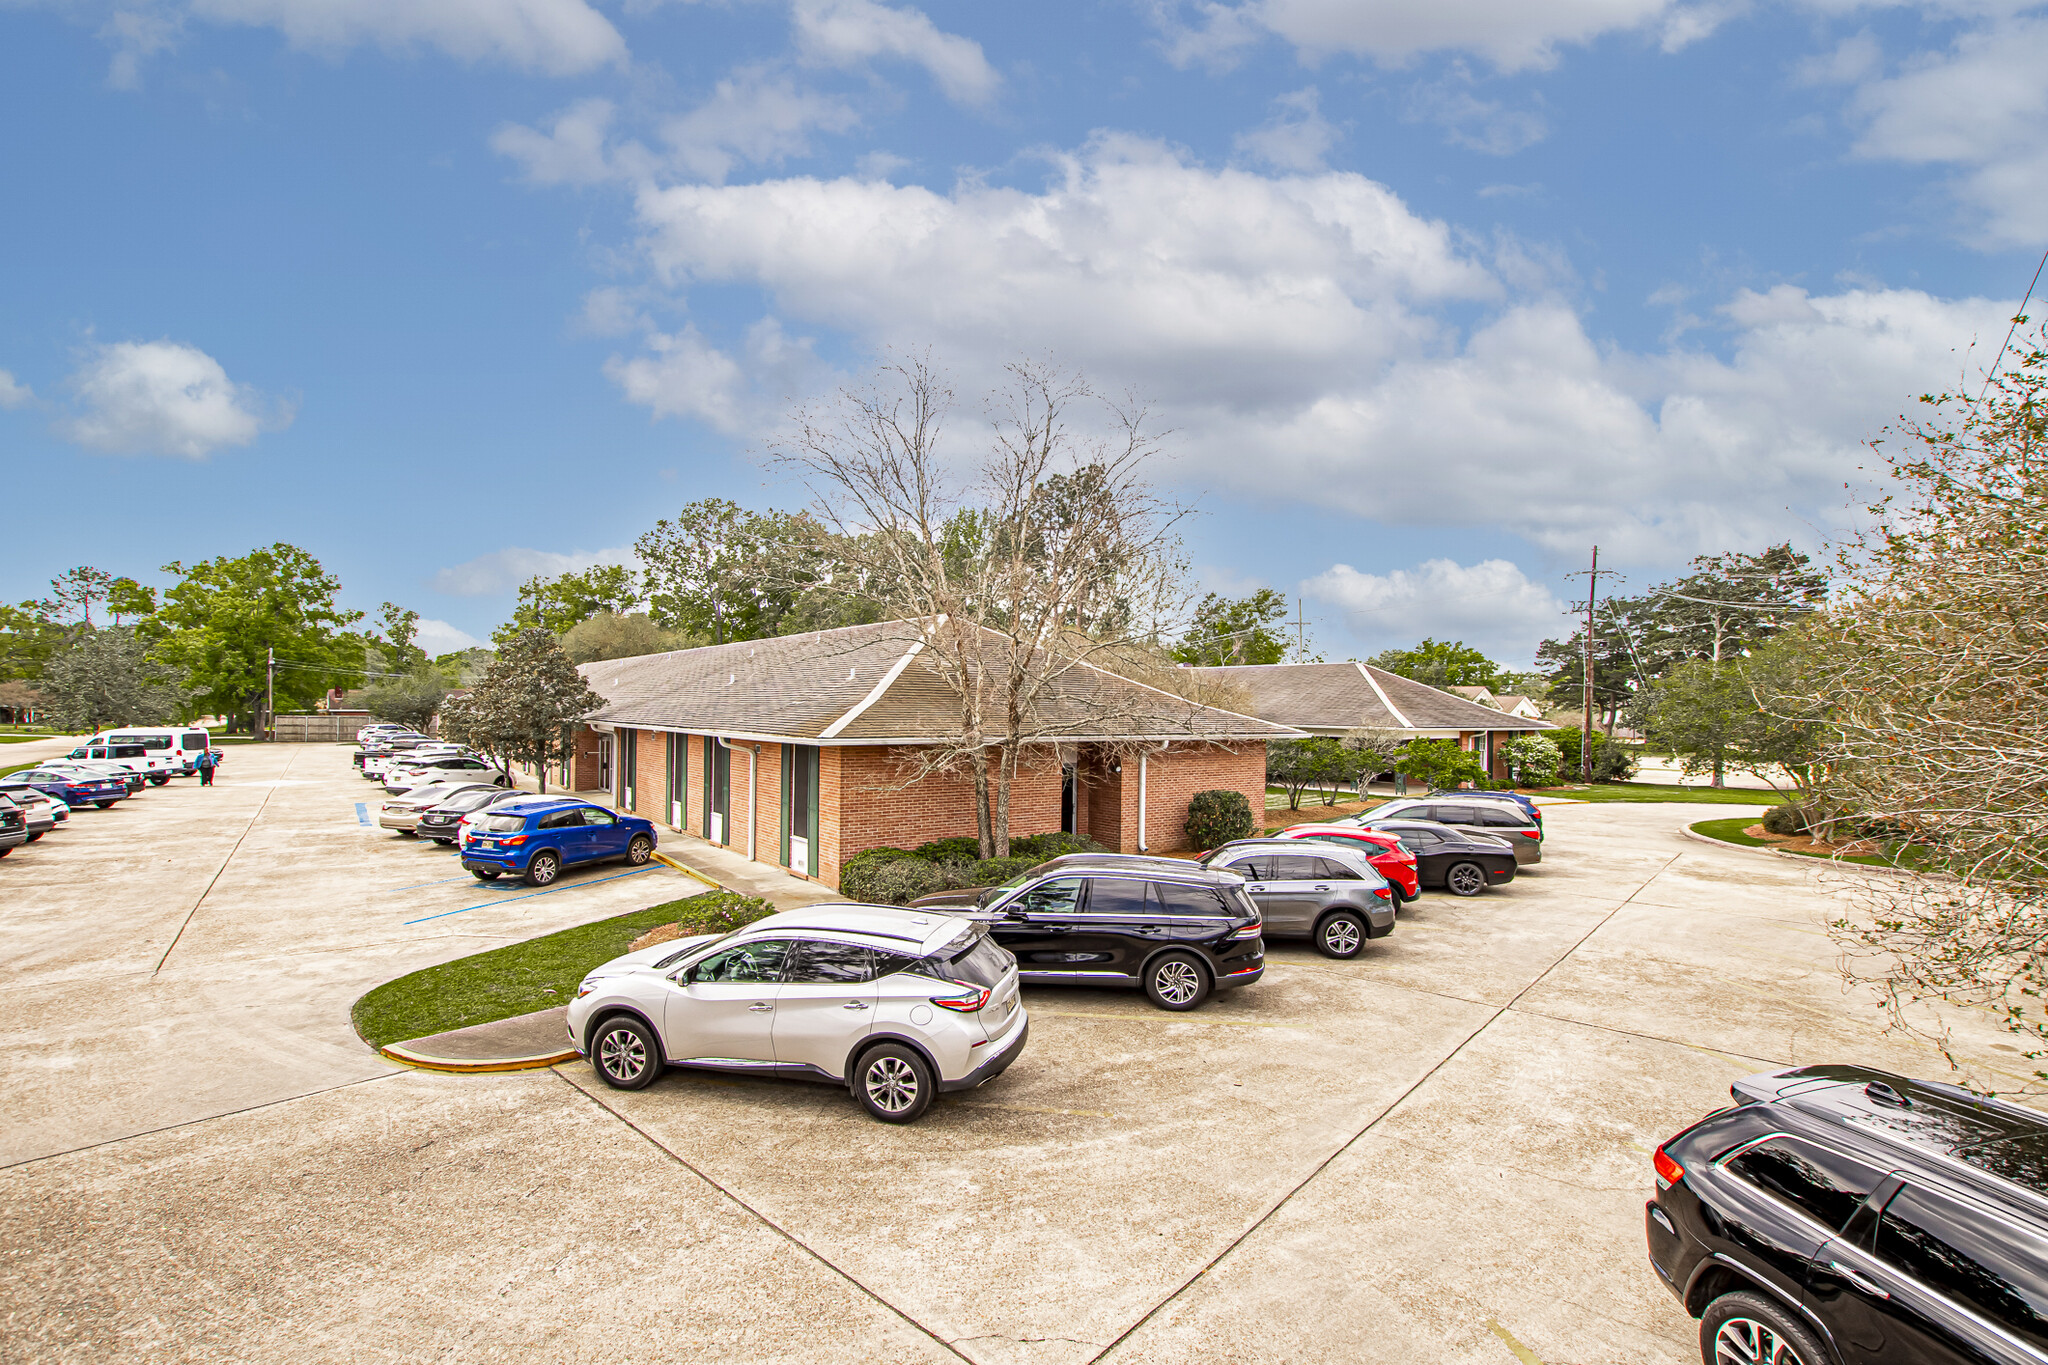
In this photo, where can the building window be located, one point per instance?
(800, 808)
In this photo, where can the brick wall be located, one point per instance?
(1171, 780)
(863, 787)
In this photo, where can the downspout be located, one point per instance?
(753, 793)
(1144, 758)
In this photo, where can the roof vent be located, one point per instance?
(849, 675)
(728, 680)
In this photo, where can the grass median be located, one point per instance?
(1663, 791)
(537, 974)
(1732, 832)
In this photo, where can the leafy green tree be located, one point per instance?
(1533, 760)
(107, 678)
(1730, 603)
(126, 597)
(217, 622)
(411, 699)
(1320, 761)
(1615, 674)
(1235, 630)
(1439, 764)
(401, 628)
(557, 604)
(721, 572)
(1612, 760)
(29, 635)
(609, 635)
(527, 702)
(75, 590)
(1442, 663)
(1743, 713)
(463, 667)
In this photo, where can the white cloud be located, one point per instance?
(14, 393)
(438, 637)
(557, 37)
(755, 115)
(1296, 138)
(1492, 605)
(853, 32)
(1298, 333)
(1509, 34)
(1476, 124)
(683, 375)
(1980, 107)
(164, 398)
(502, 571)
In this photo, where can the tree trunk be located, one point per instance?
(1006, 778)
(983, 828)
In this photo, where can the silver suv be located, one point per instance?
(896, 1005)
(1326, 893)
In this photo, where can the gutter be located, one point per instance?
(753, 793)
(1144, 759)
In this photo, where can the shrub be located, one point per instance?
(1439, 764)
(897, 882)
(960, 849)
(995, 871)
(1785, 819)
(1613, 761)
(1039, 847)
(1533, 760)
(1217, 817)
(719, 912)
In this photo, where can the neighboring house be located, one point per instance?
(1512, 704)
(1481, 695)
(1335, 699)
(805, 749)
(18, 703)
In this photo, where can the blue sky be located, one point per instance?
(1432, 295)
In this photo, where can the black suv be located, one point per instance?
(1175, 929)
(1842, 1216)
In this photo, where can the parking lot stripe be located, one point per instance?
(362, 813)
(186, 923)
(1521, 1352)
(529, 895)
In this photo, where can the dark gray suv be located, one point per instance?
(1326, 893)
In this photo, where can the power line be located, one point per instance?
(2017, 318)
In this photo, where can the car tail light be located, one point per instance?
(1249, 931)
(513, 842)
(1533, 833)
(970, 1000)
(1383, 893)
(1669, 1172)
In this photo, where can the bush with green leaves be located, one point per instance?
(1533, 760)
(1217, 817)
(719, 912)
(963, 848)
(1058, 844)
(895, 882)
(1613, 761)
(996, 871)
(1439, 764)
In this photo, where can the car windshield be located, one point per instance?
(502, 823)
(1002, 889)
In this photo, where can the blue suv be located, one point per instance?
(535, 837)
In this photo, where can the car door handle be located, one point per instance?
(759, 1009)
(1255, 888)
(853, 1005)
(1859, 1279)
(1322, 886)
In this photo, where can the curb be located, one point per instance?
(660, 857)
(423, 1062)
(1809, 860)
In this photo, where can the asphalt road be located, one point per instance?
(1438, 1152)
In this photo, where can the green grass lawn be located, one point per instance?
(1661, 791)
(17, 768)
(1730, 832)
(21, 739)
(538, 974)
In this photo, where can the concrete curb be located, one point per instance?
(398, 1052)
(1808, 859)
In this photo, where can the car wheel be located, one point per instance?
(485, 874)
(408, 834)
(1176, 981)
(625, 1053)
(1341, 934)
(544, 868)
(893, 1083)
(5, 851)
(1465, 879)
(158, 781)
(640, 850)
(37, 835)
(106, 805)
(442, 842)
(1745, 1328)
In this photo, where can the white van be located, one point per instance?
(164, 754)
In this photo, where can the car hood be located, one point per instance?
(969, 896)
(645, 958)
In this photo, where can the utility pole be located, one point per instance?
(269, 691)
(1586, 729)
(1300, 624)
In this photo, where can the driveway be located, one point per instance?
(1438, 1152)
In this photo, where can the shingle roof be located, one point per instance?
(1356, 696)
(870, 684)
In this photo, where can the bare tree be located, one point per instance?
(1936, 694)
(1026, 573)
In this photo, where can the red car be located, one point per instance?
(1392, 861)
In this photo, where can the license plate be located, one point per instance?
(485, 843)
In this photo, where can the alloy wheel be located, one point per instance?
(542, 871)
(623, 1054)
(1467, 878)
(1745, 1341)
(1177, 982)
(891, 1084)
(1340, 936)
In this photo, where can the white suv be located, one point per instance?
(897, 1005)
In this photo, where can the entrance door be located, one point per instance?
(604, 762)
(629, 771)
(678, 773)
(721, 791)
(800, 814)
(1069, 804)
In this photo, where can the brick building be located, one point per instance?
(1335, 699)
(805, 749)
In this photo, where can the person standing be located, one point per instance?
(206, 766)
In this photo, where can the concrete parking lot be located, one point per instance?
(1438, 1152)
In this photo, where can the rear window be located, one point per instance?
(501, 824)
(981, 965)
(194, 743)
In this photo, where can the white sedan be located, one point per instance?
(896, 1005)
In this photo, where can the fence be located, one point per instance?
(312, 727)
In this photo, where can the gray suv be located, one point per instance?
(1326, 893)
(1492, 817)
